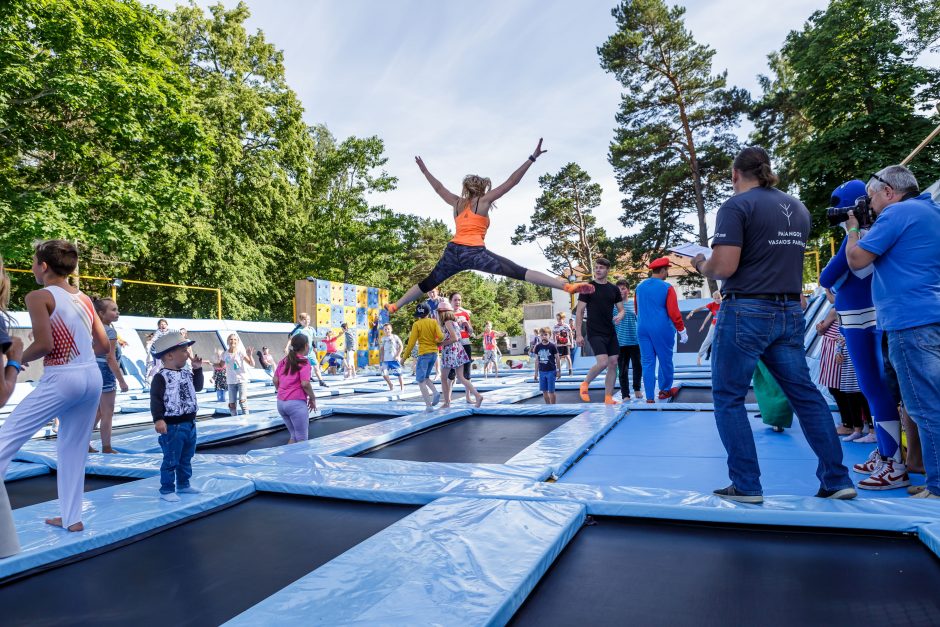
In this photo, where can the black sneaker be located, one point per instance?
(776, 429)
(323, 384)
(842, 494)
(733, 495)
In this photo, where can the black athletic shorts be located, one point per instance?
(457, 258)
(562, 351)
(604, 345)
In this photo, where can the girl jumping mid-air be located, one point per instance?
(466, 251)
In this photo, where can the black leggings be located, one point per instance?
(629, 355)
(457, 258)
(853, 408)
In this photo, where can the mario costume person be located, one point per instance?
(658, 320)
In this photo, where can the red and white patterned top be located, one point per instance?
(830, 370)
(71, 323)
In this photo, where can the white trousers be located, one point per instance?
(70, 393)
(709, 337)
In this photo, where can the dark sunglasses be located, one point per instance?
(878, 178)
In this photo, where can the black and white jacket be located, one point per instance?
(173, 395)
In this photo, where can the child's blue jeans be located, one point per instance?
(179, 446)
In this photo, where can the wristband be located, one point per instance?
(531, 158)
(15, 364)
(855, 229)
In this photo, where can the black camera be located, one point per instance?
(862, 210)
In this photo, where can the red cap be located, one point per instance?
(662, 262)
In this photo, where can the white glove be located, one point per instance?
(683, 336)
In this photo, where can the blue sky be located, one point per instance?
(471, 86)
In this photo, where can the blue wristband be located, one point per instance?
(15, 364)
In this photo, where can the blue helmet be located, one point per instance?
(846, 194)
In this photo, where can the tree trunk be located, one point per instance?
(696, 185)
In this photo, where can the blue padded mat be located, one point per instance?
(682, 451)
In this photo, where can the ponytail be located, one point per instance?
(298, 343)
(754, 162)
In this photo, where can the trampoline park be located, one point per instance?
(515, 512)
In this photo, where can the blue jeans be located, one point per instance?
(915, 355)
(547, 381)
(748, 330)
(425, 366)
(179, 446)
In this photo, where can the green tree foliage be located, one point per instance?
(357, 242)
(846, 98)
(98, 139)
(564, 221)
(262, 154)
(674, 142)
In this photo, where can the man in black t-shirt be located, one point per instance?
(760, 237)
(601, 333)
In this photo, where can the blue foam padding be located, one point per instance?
(561, 447)
(24, 470)
(206, 431)
(111, 515)
(929, 534)
(453, 562)
(682, 451)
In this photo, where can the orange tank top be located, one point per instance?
(471, 227)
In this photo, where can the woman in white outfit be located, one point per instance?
(67, 335)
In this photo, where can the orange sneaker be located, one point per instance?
(391, 308)
(579, 288)
(584, 393)
(609, 400)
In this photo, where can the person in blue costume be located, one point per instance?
(658, 320)
(856, 309)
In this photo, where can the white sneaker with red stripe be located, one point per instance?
(870, 465)
(890, 475)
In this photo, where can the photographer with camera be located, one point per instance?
(902, 245)
(853, 302)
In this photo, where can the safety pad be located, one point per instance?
(111, 515)
(206, 431)
(379, 480)
(682, 451)
(455, 562)
(560, 448)
(24, 470)
(369, 436)
(930, 536)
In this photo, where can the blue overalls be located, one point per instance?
(656, 334)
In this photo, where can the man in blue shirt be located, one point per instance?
(902, 245)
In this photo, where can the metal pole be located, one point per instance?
(218, 301)
(113, 293)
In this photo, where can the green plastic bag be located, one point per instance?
(774, 407)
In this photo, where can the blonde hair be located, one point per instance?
(446, 316)
(475, 186)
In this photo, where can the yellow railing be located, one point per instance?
(114, 291)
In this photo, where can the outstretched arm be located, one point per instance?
(515, 177)
(449, 197)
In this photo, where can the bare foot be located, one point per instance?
(107, 450)
(479, 401)
(92, 449)
(57, 522)
(445, 405)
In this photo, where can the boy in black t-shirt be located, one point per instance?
(547, 354)
(601, 333)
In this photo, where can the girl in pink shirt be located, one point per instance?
(295, 395)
